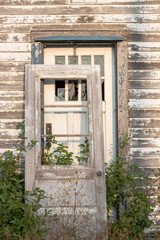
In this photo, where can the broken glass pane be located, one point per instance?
(60, 90)
(83, 90)
(73, 90)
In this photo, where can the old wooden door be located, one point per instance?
(66, 101)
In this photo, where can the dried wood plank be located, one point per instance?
(143, 27)
(9, 123)
(144, 133)
(11, 76)
(145, 143)
(83, 9)
(86, 18)
(9, 134)
(11, 96)
(144, 152)
(144, 104)
(11, 105)
(144, 75)
(12, 66)
(144, 123)
(144, 84)
(144, 94)
(12, 114)
(128, 1)
(128, 27)
(15, 47)
(135, 37)
(73, 27)
(122, 79)
(144, 56)
(9, 144)
(14, 37)
(60, 2)
(12, 85)
(12, 56)
(146, 162)
(144, 113)
(137, 65)
(33, 2)
(144, 47)
(21, 28)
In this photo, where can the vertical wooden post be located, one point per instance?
(122, 88)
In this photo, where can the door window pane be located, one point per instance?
(99, 60)
(60, 60)
(73, 90)
(60, 90)
(86, 60)
(72, 59)
(83, 90)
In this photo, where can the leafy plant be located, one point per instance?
(84, 153)
(60, 154)
(19, 209)
(130, 192)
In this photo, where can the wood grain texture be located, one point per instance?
(9, 134)
(144, 103)
(14, 37)
(11, 96)
(33, 2)
(82, 9)
(60, 2)
(144, 84)
(9, 124)
(144, 56)
(145, 143)
(144, 94)
(144, 133)
(12, 114)
(149, 162)
(141, 65)
(12, 66)
(144, 75)
(86, 18)
(122, 81)
(15, 47)
(144, 113)
(144, 123)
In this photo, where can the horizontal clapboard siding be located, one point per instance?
(137, 21)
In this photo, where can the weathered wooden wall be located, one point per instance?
(138, 21)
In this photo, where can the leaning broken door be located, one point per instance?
(65, 101)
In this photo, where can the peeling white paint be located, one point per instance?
(105, 18)
(144, 56)
(15, 47)
(20, 57)
(144, 103)
(145, 152)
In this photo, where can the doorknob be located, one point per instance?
(99, 173)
